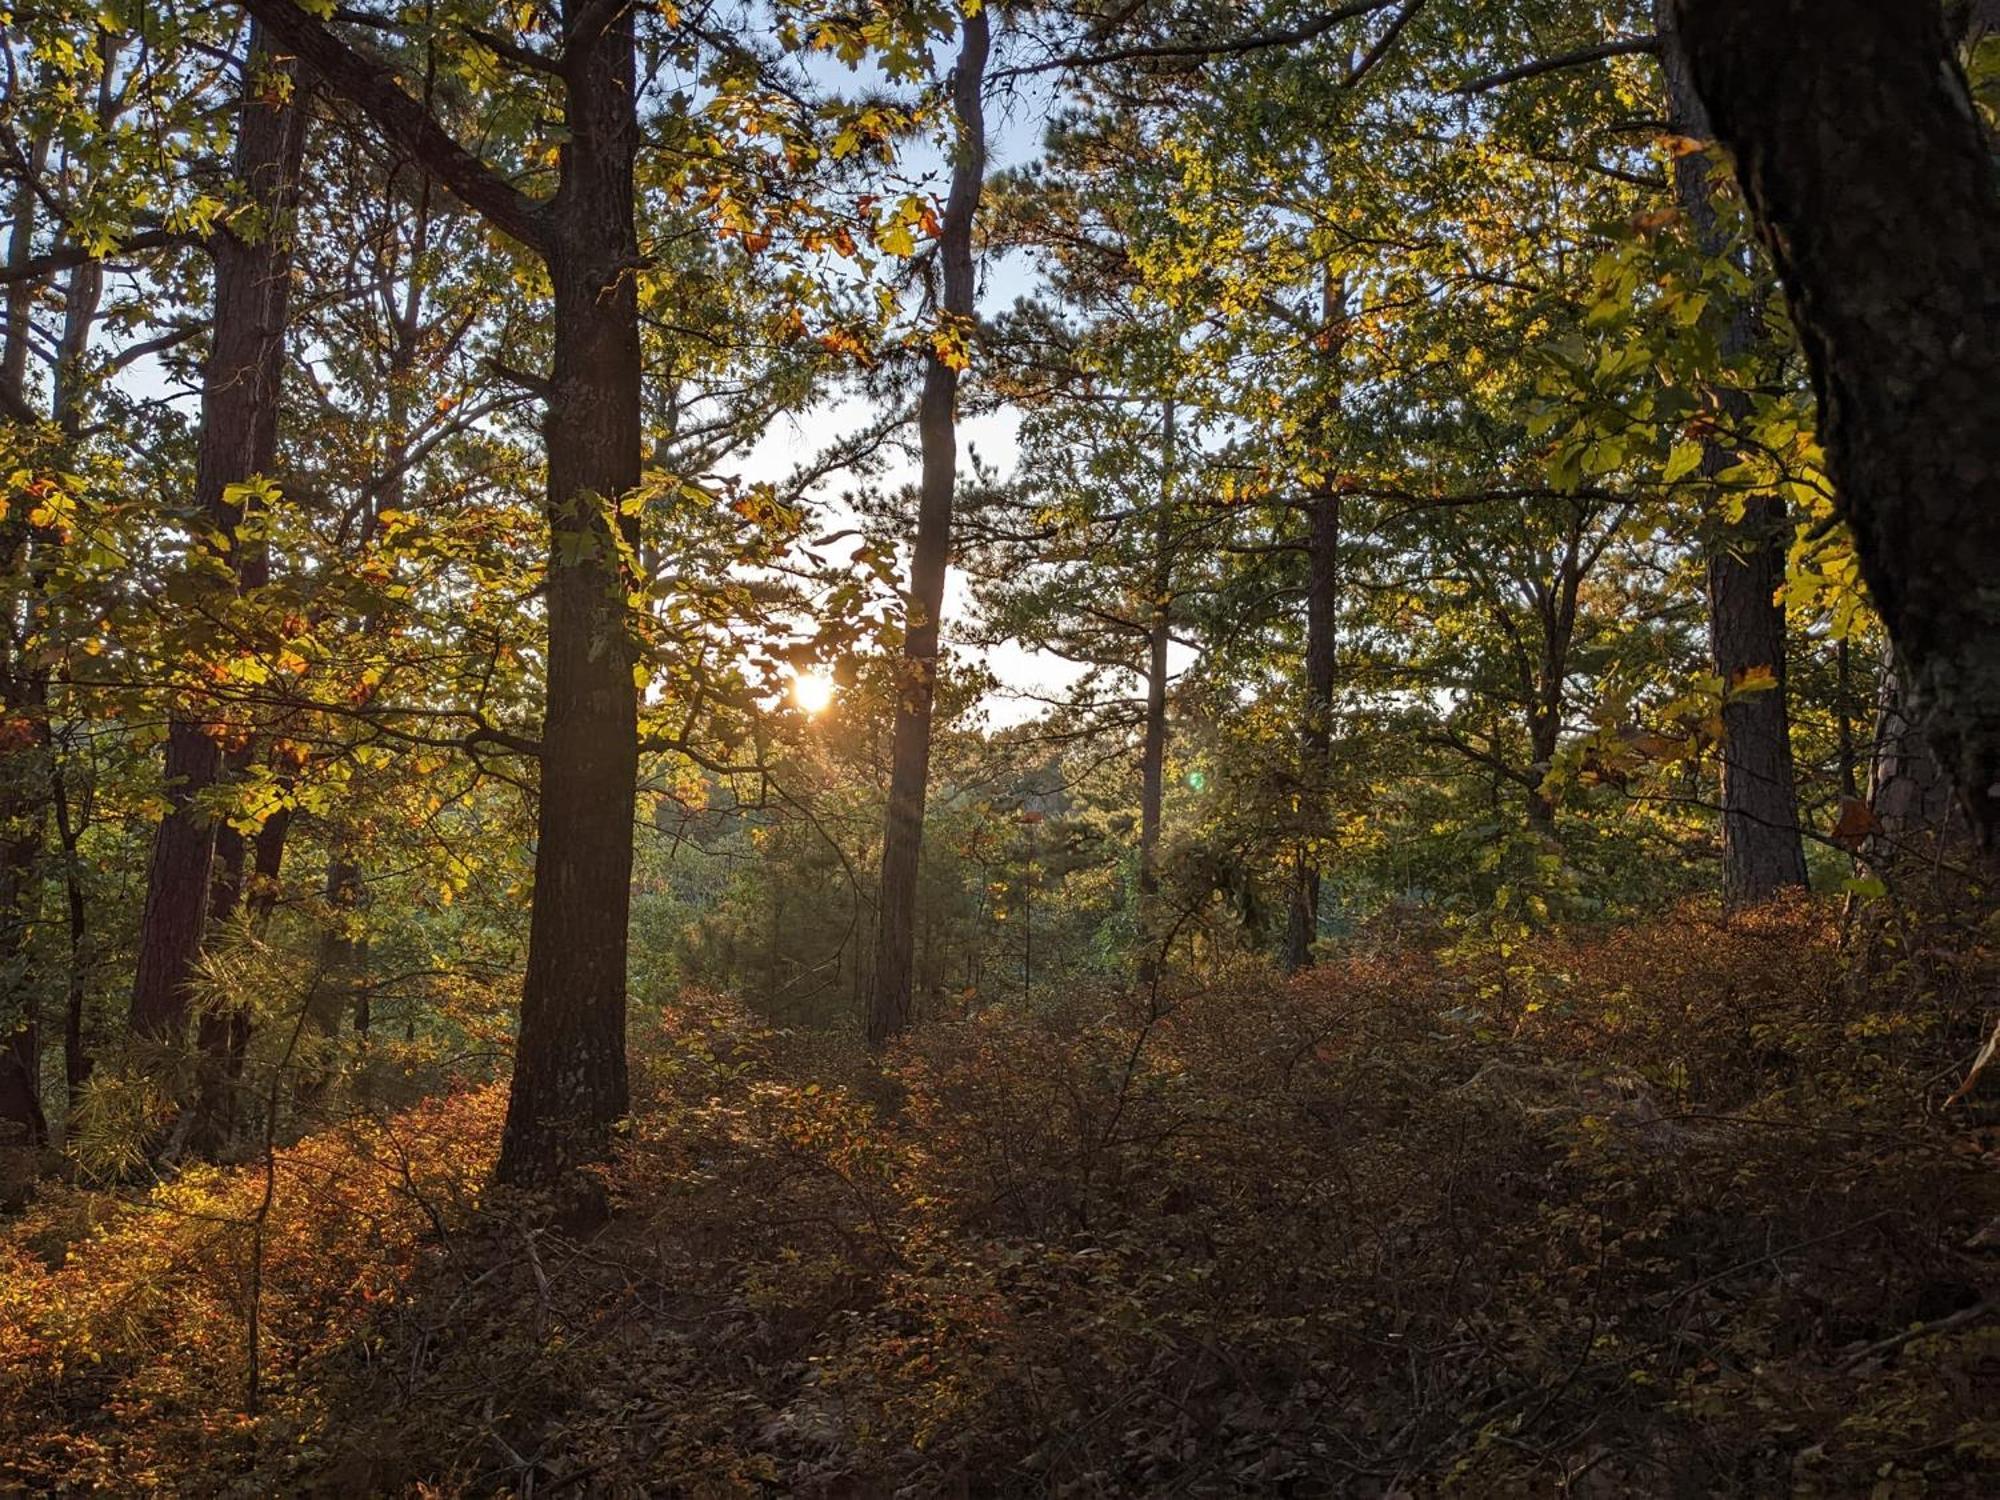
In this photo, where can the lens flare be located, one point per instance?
(812, 691)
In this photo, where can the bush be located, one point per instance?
(1672, 1211)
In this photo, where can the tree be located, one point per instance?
(569, 1086)
(239, 438)
(1863, 161)
(937, 424)
(1763, 851)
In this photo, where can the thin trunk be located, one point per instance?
(21, 293)
(1866, 168)
(343, 951)
(570, 1087)
(1844, 718)
(1153, 746)
(77, 1063)
(937, 432)
(1763, 850)
(1322, 626)
(1557, 609)
(239, 431)
(1316, 725)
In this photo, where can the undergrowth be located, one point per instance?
(1676, 1210)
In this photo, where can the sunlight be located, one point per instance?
(812, 691)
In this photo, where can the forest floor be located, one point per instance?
(1675, 1209)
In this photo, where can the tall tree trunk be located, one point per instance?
(1316, 724)
(1866, 168)
(1763, 850)
(21, 292)
(239, 437)
(570, 1087)
(77, 1062)
(1322, 624)
(23, 686)
(1153, 742)
(889, 1001)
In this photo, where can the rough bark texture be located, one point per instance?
(1866, 169)
(239, 438)
(570, 1087)
(889, 1001)
(23, 689)
(1763, 851)
(570, 1084)
(1908, 791)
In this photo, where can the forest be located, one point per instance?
(849, 748)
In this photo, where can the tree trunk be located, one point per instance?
(239, 438)
(77, 1062)
(937, 432)
(1316, 725)
(1153, 745)
(23, 686)
(1763, 851)
(1908, 791)
(1322, 622)
(570, 1087)
(1865, 166)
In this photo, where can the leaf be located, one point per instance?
(1684, 460)
(1856, 822)
(1761, 679)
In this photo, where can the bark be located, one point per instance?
(21, 1048)
(1844, 718)
(1322, 623)
(1866, 169)
(21, 289)
(77, 1062)
(889, 1002)
(1763, 851)
(570, 1087)
(1153, 744)
(1316, 726)
(24, 687)
(239, 433)
(1908, 791)
(1556, 607)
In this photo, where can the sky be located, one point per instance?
(1014, 134)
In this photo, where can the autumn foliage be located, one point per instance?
(1673, 1209)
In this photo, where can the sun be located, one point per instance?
(812, 691)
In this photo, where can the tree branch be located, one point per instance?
(1256, 41)
(64, 256)
(526, 58)
(1629, 46)
(370, 86)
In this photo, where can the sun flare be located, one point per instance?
(812, 691)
